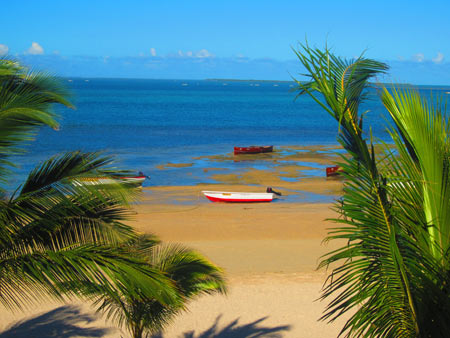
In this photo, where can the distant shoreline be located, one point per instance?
(389, 85)
(249, 80)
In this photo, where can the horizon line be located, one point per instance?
(390, 84)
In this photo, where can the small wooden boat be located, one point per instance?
(333, 171)
(134, 180)
(253, 150)
(239, 197)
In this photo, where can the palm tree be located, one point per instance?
(392, 276)
(55, 235)
(192, 275)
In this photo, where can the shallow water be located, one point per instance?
(148, 123)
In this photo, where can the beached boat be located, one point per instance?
(333, 171)
(135, 180)
(239, 197)
(253, 150)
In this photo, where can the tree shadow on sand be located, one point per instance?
(63, 322)
(234, 330)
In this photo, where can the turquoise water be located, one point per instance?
(146, 123)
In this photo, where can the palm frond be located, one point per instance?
(61, 237)
(191, 273)
(52, 209)
(372, 278)
(382, 272)
(424, 129)
(341, 82)
(25, 104)
(392, 277)
(66, 168)
(66, 272)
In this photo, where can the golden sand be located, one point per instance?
(269, 251)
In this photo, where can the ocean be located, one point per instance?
(146, 123)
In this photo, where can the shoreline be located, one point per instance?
(269, 252)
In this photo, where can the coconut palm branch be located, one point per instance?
(26, 100)
(391, 274)
(424, 130)
(342, 82)
(191, 273)
(57, 234)
(52, 200)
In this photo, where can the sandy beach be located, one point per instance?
(268, 251)
(270, 254)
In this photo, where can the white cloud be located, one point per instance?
(189, 53)
(152, 51)
(203, 53)
(3, 49)
(180, 53)
(35, 49)
(439, 58)
(419, 57)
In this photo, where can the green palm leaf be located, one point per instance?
(424, 129)
(25, 103)
(59, 237)
(372, 280)
(392, 276)
(53, 208)
(30, 272)
(191, 273)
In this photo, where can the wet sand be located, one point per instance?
(269, 251)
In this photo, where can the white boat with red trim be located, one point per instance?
(241, 197)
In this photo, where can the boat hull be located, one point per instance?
(252, 150)
(333, 171)
(238, 197)
(135, 180)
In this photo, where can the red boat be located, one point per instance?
(253, 150)
(334, 170)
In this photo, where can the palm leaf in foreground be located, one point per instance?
(392, 276)
(424, 131)
(191, 273)
(57, 232)
(26, 100)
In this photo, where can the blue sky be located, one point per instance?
(232, 39)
